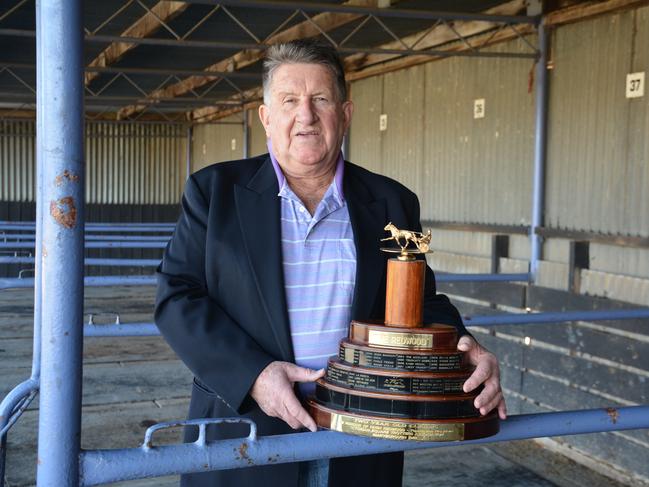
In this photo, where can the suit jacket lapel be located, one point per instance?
(368, 217)
(258, 210)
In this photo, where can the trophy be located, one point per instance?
(401, 379)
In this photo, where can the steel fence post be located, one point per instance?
(540, 150)
(60, 144)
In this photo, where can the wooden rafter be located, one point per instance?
(143, 27)
(440, 35)
(209, 113)
(585, 10)
(325, 21)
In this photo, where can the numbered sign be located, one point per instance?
(383, 122)
(635, 85)
(478, 108)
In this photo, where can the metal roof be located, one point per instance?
(149, 58)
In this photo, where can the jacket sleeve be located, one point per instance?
(437, 307)
(214, 347)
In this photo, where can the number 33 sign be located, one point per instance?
(635, 85)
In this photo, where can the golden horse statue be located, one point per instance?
(420, 240)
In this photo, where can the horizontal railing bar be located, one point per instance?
(116, 228)
(524, 277)
(141, 329)
(96, 224)
(30, 237)
(94, 245)
(103, 466)
(90, 281)
(556, 317)
(90, 261)
(121, 330)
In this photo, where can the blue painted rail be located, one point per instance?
(89, 261)
(103, 466)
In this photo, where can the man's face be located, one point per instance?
(305, 120)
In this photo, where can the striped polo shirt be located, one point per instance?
(319, 260)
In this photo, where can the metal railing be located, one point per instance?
(59, 311)
(102, 466)
(123, 463)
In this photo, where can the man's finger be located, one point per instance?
(502, 409)
(465, 343)
(299, 414)
(488, 407)
(481, 373)
(296, 373)
(491, 390)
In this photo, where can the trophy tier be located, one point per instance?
(400, 379)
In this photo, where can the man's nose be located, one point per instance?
(306, 113)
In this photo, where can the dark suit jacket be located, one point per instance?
(221, 304)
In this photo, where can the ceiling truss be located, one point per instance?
(224, 85)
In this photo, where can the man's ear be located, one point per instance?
(264, 116)
(348, 110)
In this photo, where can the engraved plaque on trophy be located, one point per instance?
(401, 379)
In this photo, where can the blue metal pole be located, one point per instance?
(540, 148)
(246, 132)
(60, 107)
(93, 245)
(30, 237)
(482, 277)
(103, 466)
(11, 404)
(188, 152)
(91, 261)
(88, 281)
(163, 228)
(9, 408)
(556, 317)
(121, 330)
(91, 225)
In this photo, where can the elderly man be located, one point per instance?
(271, 259)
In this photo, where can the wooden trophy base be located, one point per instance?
(400, 380)
(400, 429)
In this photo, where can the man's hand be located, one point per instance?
(273, 391)
(486, 372)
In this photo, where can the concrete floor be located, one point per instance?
(132, 383)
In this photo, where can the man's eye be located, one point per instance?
(289, 100)
(320, 99)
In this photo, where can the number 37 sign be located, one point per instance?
(635, 85)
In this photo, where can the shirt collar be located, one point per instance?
(338, 176)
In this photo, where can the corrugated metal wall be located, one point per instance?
(135, 163)
(126, 162)
(256, 135)
(17, 160)
(598, 157)
(480, 171)
(463, 169)
(217, 142)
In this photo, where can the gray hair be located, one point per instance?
(309, 51)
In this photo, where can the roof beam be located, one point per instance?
(488, 38)
(326, 21)
(584, 10)
(365, 65)
(371, 7)
(246, 99)
(143, 27)
(438, 36)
